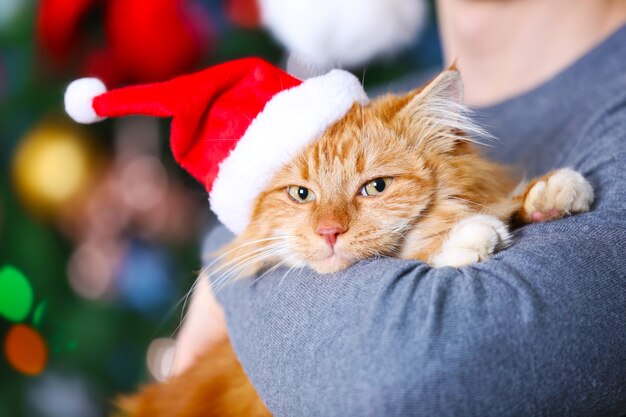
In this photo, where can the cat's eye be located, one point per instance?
(300, 194)
(375, 187)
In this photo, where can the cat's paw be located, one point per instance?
(558, 194)
(472, 240)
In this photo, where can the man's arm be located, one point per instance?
(538, 330)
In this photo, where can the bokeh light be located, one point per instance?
(143, 183)
(160, 358)
(52, 165)
(145, 278)
(64, 394)
(25, 350)
(90, 269)
(39, 313)
(9, 10)
(1, 209)
(16, 294)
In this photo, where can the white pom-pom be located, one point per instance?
(331, 33)
(79, 98)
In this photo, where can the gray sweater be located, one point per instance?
(539, 330)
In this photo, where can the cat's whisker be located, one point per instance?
(296, 265)
(185, 298)
(220, 282)
(491, 209)
(433, 231)
(246, 254)
(254, 242)
(374, 253)
(240, 264)
(269, 271)
(207, 269)
(244, 264)
(215, 285)
(184, 313)
(203, 274)
(399, 229)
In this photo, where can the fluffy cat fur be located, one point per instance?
(444, 204)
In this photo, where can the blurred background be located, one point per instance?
(100, 231)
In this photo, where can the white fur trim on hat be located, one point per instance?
(79, 97)
(290, 120)
(332, 33)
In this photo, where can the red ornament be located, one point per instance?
(58, 23)
(144, 40)
(153, 40)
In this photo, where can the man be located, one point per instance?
(538, 330)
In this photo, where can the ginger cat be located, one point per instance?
(400, 177)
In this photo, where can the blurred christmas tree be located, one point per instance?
(99, 228)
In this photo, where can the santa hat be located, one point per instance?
(234, 125)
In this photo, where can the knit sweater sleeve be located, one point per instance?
(540, 329)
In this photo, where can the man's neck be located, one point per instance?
(506, 47)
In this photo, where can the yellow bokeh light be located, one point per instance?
(59, 169)
(52, 165)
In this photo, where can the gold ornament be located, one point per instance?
(53, 166)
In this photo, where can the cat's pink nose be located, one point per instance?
(330, 234)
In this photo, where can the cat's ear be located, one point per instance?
(436, 115)
(447, 86)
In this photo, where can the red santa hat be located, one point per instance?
(234, 125)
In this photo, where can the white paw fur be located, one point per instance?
(472, 240)
(564, 192)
